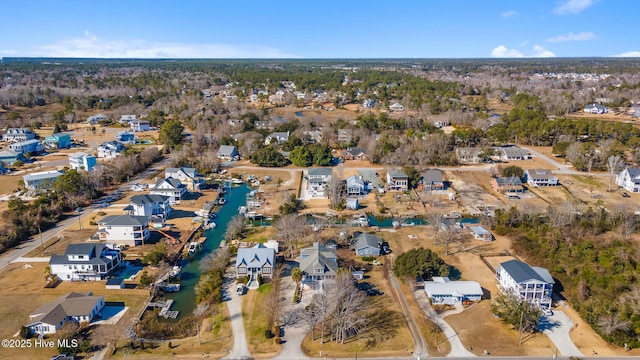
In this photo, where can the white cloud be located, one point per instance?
(503, 52)
(90, 45)
(509, 14)
(539, 51)
(572, 6)
(583, 36)
(629, 54)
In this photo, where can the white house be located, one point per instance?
(317, 180)
(170, 187)
(126, 119)
(85, 261)
(82, 161)
(76, 307)
(124, 229)
(595, 109)
(149, 206)
(629, 179)
(533, 284)
(228, 152)
(356, 186)
(396, 107)
(481, 233)
(251, 262)
(139, 125)
(110, 149)
(278, 137)
(187, 175)
(40, 180)
(18, 135)
(441, 290)
(540, 177)
(397, 180)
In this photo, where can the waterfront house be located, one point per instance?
(318, 263)
(187, 175)
(124, 229)
(170, 187)
(317, 181)
(367, 245)
(251, 262)
(356, 186)
(85, 261)
(397, 180)
(72, 307)
(432, 180)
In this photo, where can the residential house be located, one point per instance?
(367, 245)
(345, 135)
(595, 109)
(356, 186)
(170, 187)
(124, 229)
(85, 261)
(441, 290)
(533, 284)
(276, 137)
(253, 98)
(317, 180)
(18, 135)
(512, 153)
(318, 263)
(9, 157)
(57, 141)
(368, 103)
(95, 119)
(149, 206)
(313, 136)
(396, 107)
(40, 180)
(432, 180)
(629, 179)
(507, 184)
(228, 152)
(397, 180)
(127, 119)
(126, 137)
(253, 262)
(468, 154)
(140, 125)
(540, 177)
(110, 149)
(72, 307)
(481, 233)
(32, 146)
(187, 175)
(82, 161)
(353, 153)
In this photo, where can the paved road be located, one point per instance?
(234, 304)
(557, 328)
(418, 339)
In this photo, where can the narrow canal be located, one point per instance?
(185, 299)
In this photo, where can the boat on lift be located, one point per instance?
(193, 247)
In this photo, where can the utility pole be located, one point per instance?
(41, 241)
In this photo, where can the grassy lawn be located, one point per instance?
(255, 315)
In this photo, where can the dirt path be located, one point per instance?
(418, 339)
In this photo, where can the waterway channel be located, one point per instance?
(185, 299)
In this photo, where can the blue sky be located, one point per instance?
(319, 29)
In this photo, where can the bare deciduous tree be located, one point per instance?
(292, 227)
(613, 165)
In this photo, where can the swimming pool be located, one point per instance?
(129, 271)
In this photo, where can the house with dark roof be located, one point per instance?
(173, 188)
(126, 137)
(629, 179)
(149, 206)
(72, 307)
(540, 177)
(94, 119)
(432, 180)
(187, 175)
(318, 263)
(595, 109)
(533, 284)
(85, 261)
(228, 152)
(277, 138)
(251, 262)
(367, 245)
(124, 229)
(507, 184)
(511, 153)
(397, 180)
(353, 153)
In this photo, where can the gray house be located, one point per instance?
(318, 263)
(367, 245)
(251, 262)
(432, 180)
(228, 152)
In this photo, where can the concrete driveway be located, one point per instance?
(557, 328)
(240, 349)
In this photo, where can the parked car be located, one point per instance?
(240, 289)
(78, 210)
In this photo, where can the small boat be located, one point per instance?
(361, 220)
(242, 210)
(193, 247)
(175, 270)
(237, 181)
(210, 225)
(222, 201)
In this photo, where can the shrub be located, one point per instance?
(268, 334)
(367, 258)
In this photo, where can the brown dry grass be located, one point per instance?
(255, 315)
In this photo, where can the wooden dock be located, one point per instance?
(164, 309)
